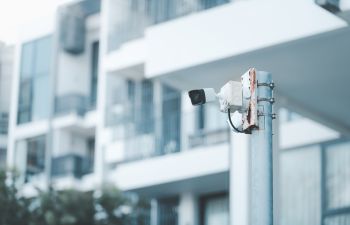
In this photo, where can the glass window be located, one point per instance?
(94, 73)
(40, 100)
(300, 191)
(42, 56)
(27, 60)
(338, 175)
(3, 158)
(24, 106)
(216, 210)
(35, 156)
(338, 220)
(171, 120)
(146, 122)
(168, 211)
(35, 68)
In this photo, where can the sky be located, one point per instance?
(14, 14)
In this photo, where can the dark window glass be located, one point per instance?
(168, 211)
(94, 72)
(24, 106)
(3, 158)
(35, 156)
(146, 122)
(200, 117)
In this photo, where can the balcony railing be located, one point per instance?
(210, 137)
(130, 18)
(174, 132)
(71, 165)
(4, 122)
(73, 103)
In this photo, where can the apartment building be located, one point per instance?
(6, 67)
(100, 95)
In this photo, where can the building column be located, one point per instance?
(239, 179)
(154, 212)
(188, 209)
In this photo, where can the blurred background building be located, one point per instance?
(6, 74)
(99, 94)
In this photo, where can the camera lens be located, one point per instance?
(197, 97)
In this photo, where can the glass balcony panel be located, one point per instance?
(71, 103)
(71, 165)
(338, 176)
(130, 18)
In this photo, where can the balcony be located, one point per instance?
(73, 103)
(4, 121)
(71, 165)
(174, 132)
(130, 18)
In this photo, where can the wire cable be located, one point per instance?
(229, 119)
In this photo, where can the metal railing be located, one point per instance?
(149, 136)
(210, 137)
(71, 165)
(130, 18)
(70, 103)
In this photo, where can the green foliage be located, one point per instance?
(107, 206)
(13, 208)
(68, 207)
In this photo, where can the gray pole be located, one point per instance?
(261, 183)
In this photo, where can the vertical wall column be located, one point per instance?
(188, 210)
(154, 212)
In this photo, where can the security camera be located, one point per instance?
(237, 99)
(229, 97)
(202, 96)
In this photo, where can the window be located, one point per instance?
(300, 191)
(35, 156)
(215, 210)
(94, 72)
(315, 185)
(2, 158)
(171, 120)
(33, 102)
(337, 183)
(168, 211)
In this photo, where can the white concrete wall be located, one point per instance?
(344, 5)
(173, 167)
(232, 29)
(74, 71)
(303, 132)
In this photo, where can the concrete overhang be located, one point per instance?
(159, 174)
(311, 75)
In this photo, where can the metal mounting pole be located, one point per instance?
(261, 183)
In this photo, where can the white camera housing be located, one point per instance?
(230, 96)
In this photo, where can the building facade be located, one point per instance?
(6, 73)
(99, 95)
